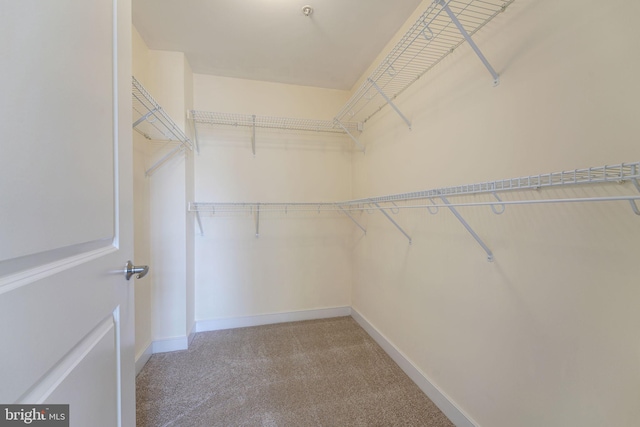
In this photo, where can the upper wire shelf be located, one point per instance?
(282, 123)
(150, 120)
(433, 36)
(209, 118)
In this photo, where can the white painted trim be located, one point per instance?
(14, 281)
(170, 344)
(192, 333)
(268, 319)
(442, 401)
(143, 357)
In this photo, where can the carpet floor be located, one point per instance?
(325, 372)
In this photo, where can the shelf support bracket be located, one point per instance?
(195, 134)
(634, 205)
(253, 135)
(386, 98)
(257, 220)
(199, 221)
(164, 159)
(469, 229)
(445, 6)
(364, 230)
(392, 221)
(145, 117)
(350, 135)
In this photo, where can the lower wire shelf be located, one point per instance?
(434, 199)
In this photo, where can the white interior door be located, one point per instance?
(66, 310)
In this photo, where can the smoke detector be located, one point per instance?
(307, 10)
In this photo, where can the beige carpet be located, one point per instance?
(315, 373)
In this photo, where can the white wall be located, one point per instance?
(298, 262)
(164, 230)
(546, 334)
(142, 249)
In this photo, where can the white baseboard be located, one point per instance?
(143, 357)
(268, 319)
(442, 401)
(170, 344)
(192, 333)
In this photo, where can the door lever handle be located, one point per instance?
(140, 270)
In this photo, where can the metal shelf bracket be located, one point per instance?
(360, 146)
(199, 221)
(445, 6)
(364, 230)
(392, 221)
(386, 98)
(469, 229)
(253, 135)
(634, 205)
(257, 220)
(177, 150)
(145, 117)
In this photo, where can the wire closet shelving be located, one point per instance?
(208, 118)
(152, 122)
(444, 26)
(434, 199)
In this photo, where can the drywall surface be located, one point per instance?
(189, 196)
(547, 334)
(141, 214)
(299, 261)
(167, 199)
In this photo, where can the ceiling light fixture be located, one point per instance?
(307, 10)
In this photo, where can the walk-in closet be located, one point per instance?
(470, 203)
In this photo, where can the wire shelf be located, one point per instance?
(216, 208)
(268, 122)
(434, 199)
(595, 175)
(425, 44)
(151, 121)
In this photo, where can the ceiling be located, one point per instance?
(272, 40)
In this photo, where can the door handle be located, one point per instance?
(140, 270)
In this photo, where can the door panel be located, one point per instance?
(66, 320)
(57, 60)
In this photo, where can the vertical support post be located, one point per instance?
(257, 220)
(386, 98)
(253, 136)
(364, 230)
(392, 221)
(469, 229)
(465, 34)
(350, 135)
